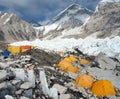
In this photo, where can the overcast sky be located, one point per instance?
(41, 10)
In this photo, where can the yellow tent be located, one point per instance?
(84, 61)
(72, 58)
(71, 68)
(84, 80)
(66, 65)
(14, 49)
(103, 88)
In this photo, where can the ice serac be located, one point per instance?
(105, 22)
(73, 16)
(13, 28)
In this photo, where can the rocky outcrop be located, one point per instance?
(105, 22)
(13, 28)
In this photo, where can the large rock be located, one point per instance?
(3, 76)
(3, 85)
(61, 89)
(23, 97)
(64, 96)
(8, 97)
(26, 85)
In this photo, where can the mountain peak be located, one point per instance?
(74, 6)
(70, 12)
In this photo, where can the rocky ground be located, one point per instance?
(30, 75)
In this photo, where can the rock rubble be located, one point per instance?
(19, 75)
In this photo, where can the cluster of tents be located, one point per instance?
(16, 49)
(99, 88)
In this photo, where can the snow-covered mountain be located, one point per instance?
(78, 22)
(13, 28)
(67, 20)
(74, 11)
(105, 22)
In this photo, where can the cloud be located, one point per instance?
(41, 9)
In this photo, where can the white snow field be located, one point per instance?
(90, 46)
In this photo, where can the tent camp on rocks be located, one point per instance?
(37, 74)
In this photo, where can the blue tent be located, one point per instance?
(6, 53)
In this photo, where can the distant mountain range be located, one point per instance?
(73, 22)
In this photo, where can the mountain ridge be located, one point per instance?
(13, 28)
(105, 21)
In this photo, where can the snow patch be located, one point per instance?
(72, 31)
(8, 19)
(50, 27)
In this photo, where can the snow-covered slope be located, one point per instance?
(73, 16)
(91, 46)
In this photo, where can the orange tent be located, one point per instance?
(103, 88)
(84, 80)
(66, 65)
(84, 61)
(72, 69)
(25, 48)
(72, 58)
